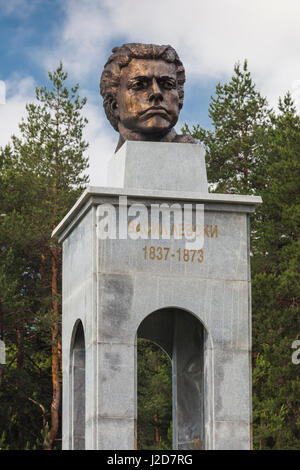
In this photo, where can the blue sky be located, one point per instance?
(209, 37)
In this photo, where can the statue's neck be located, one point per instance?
(127, 134)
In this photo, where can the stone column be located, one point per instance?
(188, 383)
(116, 292)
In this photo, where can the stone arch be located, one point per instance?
(187, 341)
(77, 387)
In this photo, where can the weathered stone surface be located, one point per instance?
(188, 383)
(116, 433)
(232, 385)
(232, 435)
(116, 380)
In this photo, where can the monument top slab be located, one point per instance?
(159, 166)
(94, 195)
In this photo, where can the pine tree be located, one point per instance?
(154, 397)
(253, 150)
(19, 296)
(234, 148)
(43, 173)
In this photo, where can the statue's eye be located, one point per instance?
(168, 84)
(139, 85)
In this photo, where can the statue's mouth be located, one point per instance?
(155, 110)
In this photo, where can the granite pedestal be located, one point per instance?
(194, 303)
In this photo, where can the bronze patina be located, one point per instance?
(142, 90)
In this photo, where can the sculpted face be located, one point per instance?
(147, 98)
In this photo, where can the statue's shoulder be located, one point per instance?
(184, 139)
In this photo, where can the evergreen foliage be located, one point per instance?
(234, 147)
(41, 176)
(154, 397)
(276, 287)
(252, 150)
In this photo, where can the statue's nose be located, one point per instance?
(155, 91)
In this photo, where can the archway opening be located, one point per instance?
(154, 400)
(78, 389)
(185, 340)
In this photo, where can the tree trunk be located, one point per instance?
(19, 381)
(157, 436)
(156, 420)
(56, 393)
(1, 337)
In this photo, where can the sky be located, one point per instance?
(210, 36)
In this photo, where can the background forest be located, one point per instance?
(250, 149)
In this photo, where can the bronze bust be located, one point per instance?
(142, 90)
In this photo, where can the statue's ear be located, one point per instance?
(114, 108)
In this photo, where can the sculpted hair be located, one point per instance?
(121, 56)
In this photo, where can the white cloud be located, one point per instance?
(209, 37)
(2, 92)
(97, 132)
(19, 91)
(102, 140)
(82, 43)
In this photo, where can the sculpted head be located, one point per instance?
(142, 90)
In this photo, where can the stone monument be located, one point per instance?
(156, 256)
